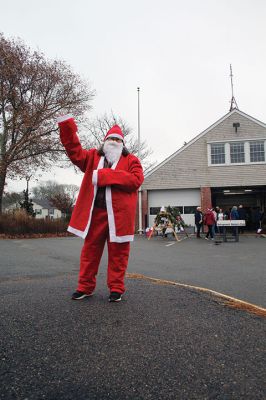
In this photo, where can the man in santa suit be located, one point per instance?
(105, 208)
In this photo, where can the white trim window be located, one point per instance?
(217, 153)
(257, 151)
(237, 152)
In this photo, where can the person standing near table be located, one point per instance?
(234, 216)
(198, 221)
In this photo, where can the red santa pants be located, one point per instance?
(91, 254)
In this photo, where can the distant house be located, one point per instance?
(44, 209)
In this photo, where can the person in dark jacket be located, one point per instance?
(198, 220)
(233, 216)
(258, 217)
(234, 213)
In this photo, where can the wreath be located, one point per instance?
(170, 215)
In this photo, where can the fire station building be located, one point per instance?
(223, 166)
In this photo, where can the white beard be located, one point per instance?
(112, 150)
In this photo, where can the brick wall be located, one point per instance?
(206, 198)
(145, 210)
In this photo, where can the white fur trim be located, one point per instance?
(122, 239)
(116, 135)
(84, 233)
(76, 232)
(111, 218)
(64, 118)
(95, 177)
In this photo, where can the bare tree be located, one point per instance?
(33, 91)
(44, 190)
(13, 198)
(62, 202)
(62, 196)
(95, 131)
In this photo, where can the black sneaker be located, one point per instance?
(114, 296)
(80, 295)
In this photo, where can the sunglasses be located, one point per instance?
(115, 139)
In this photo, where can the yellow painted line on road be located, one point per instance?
(228, 300)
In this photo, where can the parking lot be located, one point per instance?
(160, 342)
(235, 269)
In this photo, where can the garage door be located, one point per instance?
(185, 199)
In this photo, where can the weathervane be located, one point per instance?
(233, 100)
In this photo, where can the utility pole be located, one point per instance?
(27, 180)
(139, 192)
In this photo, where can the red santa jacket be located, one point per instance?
(122, 181)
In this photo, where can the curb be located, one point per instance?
(229, 301)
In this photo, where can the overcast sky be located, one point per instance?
(178, 53)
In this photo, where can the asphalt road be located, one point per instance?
(159, 342)
(235, 269)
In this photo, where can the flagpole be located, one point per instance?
(139, 193)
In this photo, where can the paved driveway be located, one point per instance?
(160, 342)
(235, 269)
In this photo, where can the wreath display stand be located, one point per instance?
(164, 220)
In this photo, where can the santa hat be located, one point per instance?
(115, 132)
